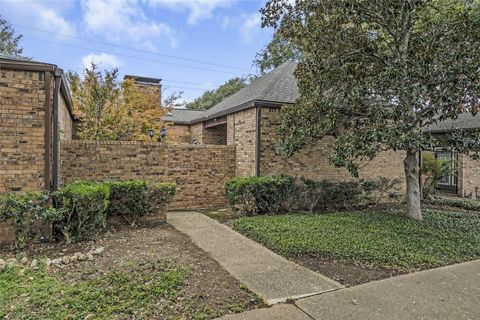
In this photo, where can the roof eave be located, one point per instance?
(241, 107)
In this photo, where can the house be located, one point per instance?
(249, 120)
(35, 114)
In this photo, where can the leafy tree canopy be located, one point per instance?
(375, 73)
(110, 109)
(9, 40)
(275, 53)
(212, 97)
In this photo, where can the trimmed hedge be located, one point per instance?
(29, 214)
(160, 195)
(279, 194)
(128, 199)
(326, 195)
(84, 208)
(260, 195)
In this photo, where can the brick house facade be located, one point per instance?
(35, 113)
(250, 118)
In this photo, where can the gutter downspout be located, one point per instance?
(58, 81)
(257, 140)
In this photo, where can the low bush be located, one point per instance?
(84, 207)
(260, 195)
(160, 195)
(457, 203)
(434, 170)
(29, 214)
(326, 195)
(128, 199)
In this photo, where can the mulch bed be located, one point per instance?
(208, 287)
(346, 273)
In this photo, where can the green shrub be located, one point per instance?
(84, 209)
(128, 199)
(457, 203)
(260, 195)
(29, 213)
(160, 195)
(433, 170)
(326, 195)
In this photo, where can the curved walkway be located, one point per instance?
(272, 277)
(445, 293)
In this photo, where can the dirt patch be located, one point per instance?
(209, 290)
(346, 273)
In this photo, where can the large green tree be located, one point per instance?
(9, 40)
(98, 102)
(276, 52)
(375, 73)
(211, 97)
(110, 109)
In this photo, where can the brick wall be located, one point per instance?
(243, 137)
(312, 161)
(231, 129)
(196, 132)
(468, 175)
(199, 170)
(215, 135)
(22, 130)
(178, 134)
(65, 121)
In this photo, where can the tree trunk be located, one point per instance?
(413, 188)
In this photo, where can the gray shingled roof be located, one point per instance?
(464, 121)
(183, 116)
(277, 86)
(23, 60)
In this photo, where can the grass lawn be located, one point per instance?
(36, 294)
(371, 239)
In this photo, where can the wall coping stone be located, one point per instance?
(149, 144)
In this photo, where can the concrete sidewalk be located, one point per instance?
(269, 275)
(451, 292)
(448, 293)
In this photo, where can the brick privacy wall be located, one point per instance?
(244, 127)
(199, 170)
(215, 135)
(231, 129)
(65, 121)
(196, 132)
(468, 175)
(178, 134)
(312, 161)
(22, 130)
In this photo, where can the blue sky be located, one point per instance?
(223, 34)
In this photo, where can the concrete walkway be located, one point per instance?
(269, 275)
(451, 292)
(447, 293)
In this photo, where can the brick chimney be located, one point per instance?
(148, 84)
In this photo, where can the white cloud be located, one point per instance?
(198, 9)
(105, 60)
(36, 14)
(125, 20)
(251, 24)
(248, 25)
